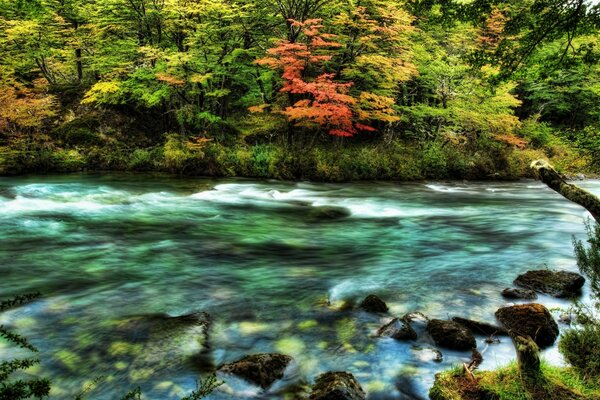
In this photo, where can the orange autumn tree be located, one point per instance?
(317, 98)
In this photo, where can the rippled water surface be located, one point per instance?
(105, 249)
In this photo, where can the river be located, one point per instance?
(103, 248)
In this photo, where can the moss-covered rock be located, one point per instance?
(337, 386)
(533, 320)
(555, 283)
(260, 369)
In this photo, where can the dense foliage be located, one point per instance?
(581, 346)
(204, 86)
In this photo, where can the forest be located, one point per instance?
(300, 199)
(289, 89)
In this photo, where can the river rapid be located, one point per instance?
(254, 255)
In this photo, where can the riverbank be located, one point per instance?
(397, 161)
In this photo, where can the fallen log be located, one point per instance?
(557, 182)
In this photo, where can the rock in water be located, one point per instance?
(557, 284)
(532, 320)
(337, 386)
(514, 293)
(328, 213)
(451, 335)
(481, 328)
(261, 369)
(397, 329)
(373, 304)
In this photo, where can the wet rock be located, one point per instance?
(373, 304)
(515, 293)
(261, 369)
(558, 284)
(532, 320)
(397, 329)
(451, 335)
(481, 328)
(416, 318)
(428, 354)
(328, 213)
(337, 386)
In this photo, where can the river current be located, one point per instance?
(254, 255)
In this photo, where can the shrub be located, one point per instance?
(178, 155)
(581, 347)
(142, 160)
(434, 163)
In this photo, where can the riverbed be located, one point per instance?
(271, 273)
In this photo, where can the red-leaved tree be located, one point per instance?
(317, 99)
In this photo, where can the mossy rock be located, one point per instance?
(554, 283)
(260, 369)
(337, 386)
(533, 320)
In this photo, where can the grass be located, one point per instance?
(506, 384)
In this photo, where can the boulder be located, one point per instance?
(481, 328)
(328, 213)
(554, 283)
(532, 320)
(451, 335)
(261, 369)
(337, 386)
(373, 304)
(515, 293)
(397, 329)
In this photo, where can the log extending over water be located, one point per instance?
(547, 174)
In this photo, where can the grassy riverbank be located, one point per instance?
(330, 162)
(506, 384)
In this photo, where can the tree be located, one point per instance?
(317, 99)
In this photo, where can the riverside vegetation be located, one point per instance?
(312, 89)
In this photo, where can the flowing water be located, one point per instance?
(103, 249)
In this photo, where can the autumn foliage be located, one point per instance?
(318, 98)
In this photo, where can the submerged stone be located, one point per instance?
(337, 386)
(260, 369)
(481, 328)
(515, 293)
(328, 213)
(532, 320)
(373, 304)
(451, 335)
(554, 283)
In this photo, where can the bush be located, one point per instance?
(434, 163)
(581, 347)
(178, 155)
(143, 160)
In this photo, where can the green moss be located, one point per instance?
(506, 384)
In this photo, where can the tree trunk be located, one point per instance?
(557, 182)
(528, 356)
